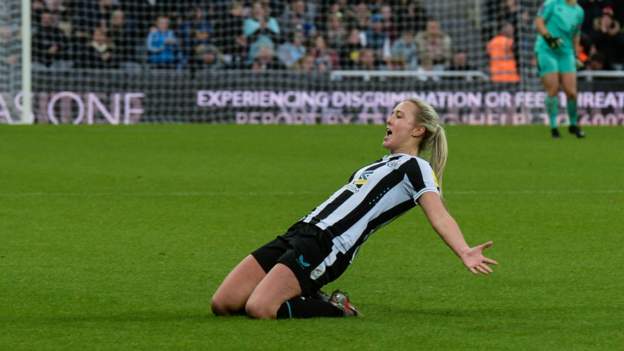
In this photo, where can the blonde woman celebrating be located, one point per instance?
(283, 278)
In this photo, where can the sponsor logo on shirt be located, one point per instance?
(301, 262)
(392, 164)
(317, 272)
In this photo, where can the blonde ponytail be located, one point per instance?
(434, 141)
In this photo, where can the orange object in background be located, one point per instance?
(503, 67)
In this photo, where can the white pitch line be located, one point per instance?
(294, 193)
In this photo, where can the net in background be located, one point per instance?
(10, 61)
(277, 61)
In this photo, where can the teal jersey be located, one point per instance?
(563, 21)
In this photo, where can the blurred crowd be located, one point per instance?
(307, 36)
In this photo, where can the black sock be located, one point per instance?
(301, 307)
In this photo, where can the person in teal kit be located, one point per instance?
(559, 23)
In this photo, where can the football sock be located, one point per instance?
(552, 108)
(571, 106)
(301, 307)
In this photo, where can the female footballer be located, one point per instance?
(559, 23)
(283, 278)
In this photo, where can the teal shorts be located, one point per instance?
(550, 62)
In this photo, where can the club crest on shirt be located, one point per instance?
(362, 179)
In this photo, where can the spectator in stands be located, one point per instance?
(195, 31)
(375, 36)
(434, 46)
(122, 34)
(145, 12)
(607, 38)
(273, 6)
(497, 12)
(596, 62)
(9, 47)
(336, 31)
(404, 52)
(388, 20)
(55, 6)
(367, 60)
(350, 52)
(265, 60)
(99, 52)
(48, 42)
(37, 7)
(336, 8)
(412, 17)
(426, 66)
(290, 52)
(229, 36)
(606, 22)
(162, 45)
(306, 64)
(375, 5)
(207, 56)
(89, 15)
(459, 62)
(261, 31)
(361, 15)
(503, 67)
(325, 58)
(296, 17)
(593, 11)
(62, 15)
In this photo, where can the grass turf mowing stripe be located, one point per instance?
(115, 238)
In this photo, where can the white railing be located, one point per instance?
(590, 75)
(467, 75)
(367, 75)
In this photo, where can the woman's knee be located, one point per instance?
(551, 84)
(279, 285)
(222, 306)
(219, 307)
(570, 90)
(255, 309)
(568, 83)
(552, 90)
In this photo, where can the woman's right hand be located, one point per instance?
(474, 260)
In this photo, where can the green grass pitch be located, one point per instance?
(114, 238)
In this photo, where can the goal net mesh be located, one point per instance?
(272, 61)
(10, 61)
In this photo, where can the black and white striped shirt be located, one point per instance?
(374, 196)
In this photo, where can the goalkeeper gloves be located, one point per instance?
(553, 42)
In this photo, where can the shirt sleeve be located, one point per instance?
(546, 10)
(422, 179)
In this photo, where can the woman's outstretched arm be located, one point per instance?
(444, 224)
